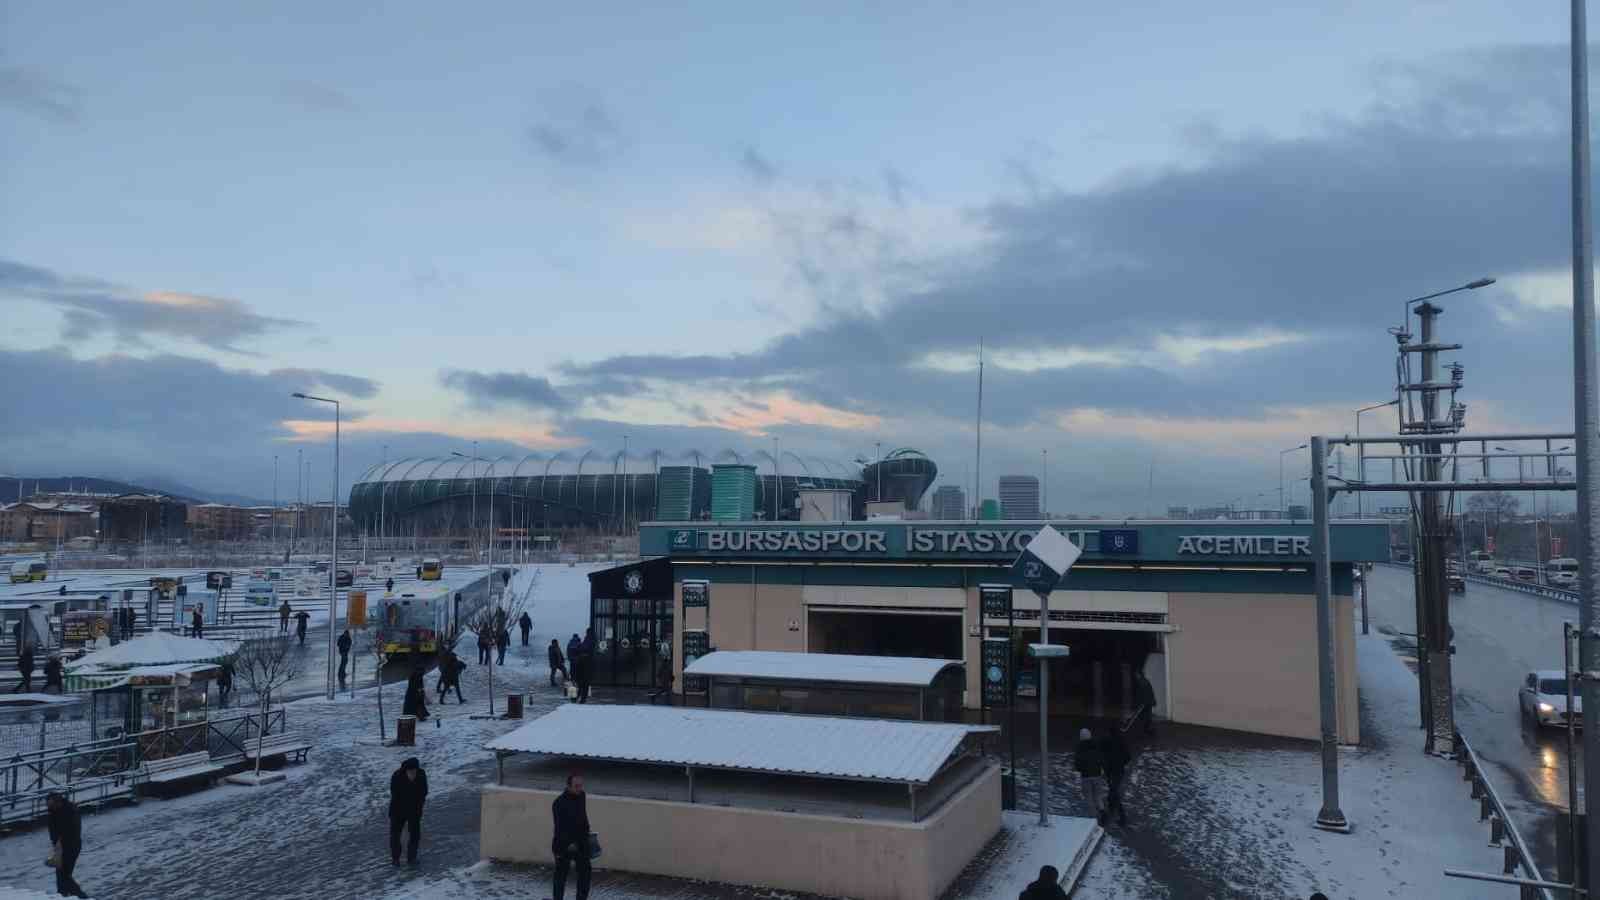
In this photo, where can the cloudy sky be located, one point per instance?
(1179, 230)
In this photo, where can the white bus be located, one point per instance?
(1561, 572)
(1481, 562)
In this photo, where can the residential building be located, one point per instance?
(1019, 497)
(949, 502)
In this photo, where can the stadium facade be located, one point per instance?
(606, 492)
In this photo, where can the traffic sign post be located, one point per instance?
(1041, 566)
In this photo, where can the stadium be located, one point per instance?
(608, 492)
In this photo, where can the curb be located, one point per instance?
(1080, 861)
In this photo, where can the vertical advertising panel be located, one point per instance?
(696, 643)
(996, 673)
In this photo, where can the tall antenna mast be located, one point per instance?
(977, 463)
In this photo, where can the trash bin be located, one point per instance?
(513, 706)
(406, 731)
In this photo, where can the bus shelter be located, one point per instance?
(831, 684)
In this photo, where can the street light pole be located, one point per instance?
(1361, 453)
(1283, 510)
(333, 570)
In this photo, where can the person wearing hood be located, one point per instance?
(557, 663)
(525, 622)
(52, 673)
(1089, 761)
(408, 790)
(1047, 887)
(416, 702)
(345, 642)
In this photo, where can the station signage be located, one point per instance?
(696, 593)
(1244, 545)
(996, 672)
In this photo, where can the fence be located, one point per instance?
(1511, 584)
(1502, 831)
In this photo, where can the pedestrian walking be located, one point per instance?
(583, 672)
(1144, 696)
(1090, 765)
(503, 644)
(197, 622)
(574, 650)
(557, 663)
(388, 586)
(25, 669)
(52, 673)
(344, 652)
(1047, 887)
(408, 790)
(300, 620)
(416, 702)
(283, 617)
(66, 842)
(526, 623)
(133, 622)
(483, 647)
(1114, 752)
(570, 842)
(450, 676)
(225, 681)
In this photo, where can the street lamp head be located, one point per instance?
(299, 395)
(1481, 282)
(457, 453)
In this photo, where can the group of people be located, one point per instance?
(577, 666)
(1106, 758)
(301, 619)
(25, 667)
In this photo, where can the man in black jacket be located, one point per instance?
(25, 669)
(1090, 765)
(66, 839)
(526, 624)
(344, 653)
(557, 663)
(408, 789)
(1115, 756)
(52, 673)
(571, 841)
(197, 622)
(1048, 887)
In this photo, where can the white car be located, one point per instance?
(1502, 572)
(1543, 699)
(1564, 579)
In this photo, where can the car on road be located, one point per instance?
(1543, 699)
(1564, 579)
(1458, 585)
(1524, 573)
(343, 578)
(1501, 572)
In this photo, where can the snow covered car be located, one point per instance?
(1543, 699)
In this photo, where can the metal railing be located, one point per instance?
(1510, 584)
(1502, 831)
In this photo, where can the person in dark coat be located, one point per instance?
(1144, 697)
(388, 586)
(1114, 752)
(25, 668)
(570, 843)
(416, 703)
(1089, 763)
(408, 790)
(131, 622)
(52, 673)
(526, 624)
(225, 681)
(66, 840)
(574, 650)
(197, 622)
(344, 652)
(503, 644)
(1047, 887)
(557, 663)
(283, 617)
(300, 620)
(450, 676)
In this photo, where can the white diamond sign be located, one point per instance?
(1046, 560)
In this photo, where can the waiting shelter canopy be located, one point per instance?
(817, 746)
(903, 671)
(158, 648)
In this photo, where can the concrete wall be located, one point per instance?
(865, 858)
(1249, 662)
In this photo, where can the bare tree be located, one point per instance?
(266, 664)
(495, 616)
(372, 647)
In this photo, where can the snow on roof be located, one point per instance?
(155, 649)
(822, 746)
(911, 671)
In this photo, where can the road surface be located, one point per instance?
(1500, 636)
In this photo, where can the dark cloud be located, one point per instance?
(758, 167)
(312, 379)
(505, 388)
(92, 307)
(585, 135)
(40, 95)
(318, 97)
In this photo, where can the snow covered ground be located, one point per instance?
(1219, 816)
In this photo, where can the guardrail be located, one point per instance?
(1502, 831)
(1510, 584)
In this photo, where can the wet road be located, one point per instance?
(1501, 635)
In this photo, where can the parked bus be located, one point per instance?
(414, 623)
(28, 571)
(1561, 571)
(432, 570)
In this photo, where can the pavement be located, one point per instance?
(1500, 636)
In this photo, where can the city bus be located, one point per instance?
(1561, 572)
(1480, 562)
(414, 623)
(32, 570)
(432, 570)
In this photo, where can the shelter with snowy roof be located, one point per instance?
(832, 684)
(829, 805)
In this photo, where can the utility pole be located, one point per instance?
(977, 461)
(1434, 534)
(1586, 462)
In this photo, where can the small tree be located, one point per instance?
(372, 647)
(266, 664)
(493, 617)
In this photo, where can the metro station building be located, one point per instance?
(1220, 617)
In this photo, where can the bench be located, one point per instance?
(285, 744)
(174, 770)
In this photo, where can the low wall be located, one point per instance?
(870, 859)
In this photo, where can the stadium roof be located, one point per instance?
(818, 746)
(593, 462)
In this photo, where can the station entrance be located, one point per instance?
(1096, 680)
(875, 631)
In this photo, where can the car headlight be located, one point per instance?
(1545, 707)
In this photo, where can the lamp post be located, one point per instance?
(1283, 510)
(1405, 316)
(333, 570)
(1361, 457)
(475, 460)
